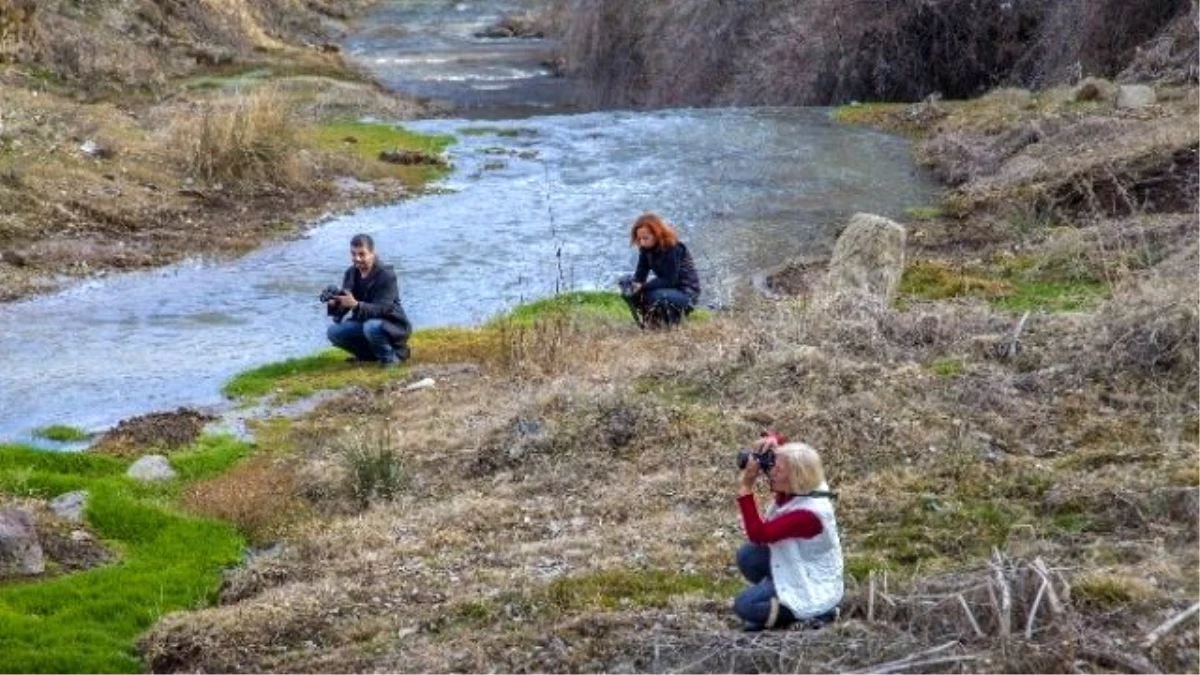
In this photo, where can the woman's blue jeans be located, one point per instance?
(366, 340)
(659, 307)
(753, 605)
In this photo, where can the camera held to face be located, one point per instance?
(330, 293)
(765, 459)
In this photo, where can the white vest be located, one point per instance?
(808, 572)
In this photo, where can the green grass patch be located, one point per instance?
(1053, 296)
(946, 367)
(61, 433)
(924, 212)
(371, 138)
(1011, 287)
(502, 132)
(597, 306)
(623, 588)
(935, 527)
(87, 622)
(885, 116)
(296, 378)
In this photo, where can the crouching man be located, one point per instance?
(368, 319)
(793, 557)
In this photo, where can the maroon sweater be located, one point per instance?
(803, 524)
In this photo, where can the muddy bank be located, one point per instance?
(163, 149)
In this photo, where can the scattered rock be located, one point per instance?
(1094, 89)
(794, 278)
(151, 468)
(13, 258)
(412, 158)
(421, 384)
(865, 269)
(1135, 96)
(20, 549)
(70, 506)
(512, 27)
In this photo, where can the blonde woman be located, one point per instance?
(793, 556)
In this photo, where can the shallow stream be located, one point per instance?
(535, 204)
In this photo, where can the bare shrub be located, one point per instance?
(830, 51)
(373, 469)
(1152, 331)
(243, 146)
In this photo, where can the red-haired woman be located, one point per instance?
(675, 288)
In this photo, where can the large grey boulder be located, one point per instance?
(70, 506)
(864, 272)
(151, 468)
(20, 549)
(1134, 96)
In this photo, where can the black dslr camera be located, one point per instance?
(626, 284)
(330, 293)
(765, 459)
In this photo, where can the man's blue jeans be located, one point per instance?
(366, 340)
(753, 605)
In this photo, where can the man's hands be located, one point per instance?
(344, 300)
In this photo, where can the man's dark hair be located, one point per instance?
(363, 241)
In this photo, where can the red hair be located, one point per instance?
(663, 234)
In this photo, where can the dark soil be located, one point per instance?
(161, 430)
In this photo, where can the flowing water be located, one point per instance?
(534, 205)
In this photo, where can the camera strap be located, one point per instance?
(816, 494)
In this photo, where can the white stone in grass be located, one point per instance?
(70, 506)
(422, 384)
(1134, 96)
(151, 468)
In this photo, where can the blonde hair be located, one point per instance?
(805, 472)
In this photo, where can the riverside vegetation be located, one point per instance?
(1014, 441)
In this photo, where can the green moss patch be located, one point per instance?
(168, 561)
(1007, 288)
(621, 588)
(502, 132)
(366, 140)
(61, 433)
(296, 378)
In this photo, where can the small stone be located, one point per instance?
(151, 468)
(20, 548)
(70, 506)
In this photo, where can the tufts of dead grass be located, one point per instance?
(242, 144)
(258, 496)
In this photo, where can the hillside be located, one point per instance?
(828, 52)
(136, 133)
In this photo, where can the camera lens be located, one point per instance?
(743, 456)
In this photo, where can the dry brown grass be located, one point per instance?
(259, 496)
(241, 144)
(579, 517)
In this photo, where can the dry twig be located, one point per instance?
(1166, 626)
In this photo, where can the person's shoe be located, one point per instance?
(388, 365)
(355, 359)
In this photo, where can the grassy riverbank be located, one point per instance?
(195, 133)
(166, 559)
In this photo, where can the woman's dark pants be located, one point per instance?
(754, 604)
(659, 307)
